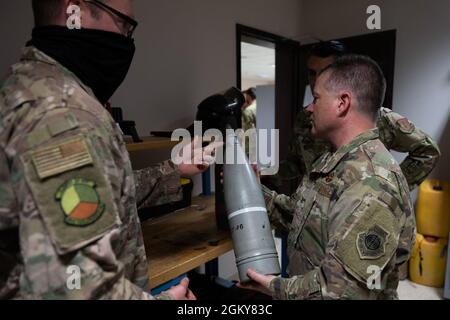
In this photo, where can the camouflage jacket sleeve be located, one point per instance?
(399, 134)
(359, 219)
(158, 184)
(280, 207)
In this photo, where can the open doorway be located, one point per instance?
(275, 72)
(258, 84)
(258, 63)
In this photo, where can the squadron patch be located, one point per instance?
(372, 244)
(80, 202)
(405, 126)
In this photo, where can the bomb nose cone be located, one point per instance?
(250, 228)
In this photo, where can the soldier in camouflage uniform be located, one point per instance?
(249, 117)
(396, 132)
(249, 124)
(249, 109)
(67, 190)
(351, 221)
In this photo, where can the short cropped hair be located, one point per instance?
(363, 77)
(325, 49)
(251, 93)
(47, 11)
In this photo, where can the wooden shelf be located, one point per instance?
(184, 240)
(151, 143)
(155, 143)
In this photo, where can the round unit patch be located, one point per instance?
(372, 243)
(80, 202)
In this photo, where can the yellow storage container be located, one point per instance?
(433, 209)
(428, 261)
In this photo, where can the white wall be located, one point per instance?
(422, 65)
(187, 51)
(16, 21)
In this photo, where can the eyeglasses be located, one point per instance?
(132, 24)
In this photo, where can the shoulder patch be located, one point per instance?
(61, 157)
(75, 201)
(372, 243)
(80, 202)
(371, 240)
(405, 126)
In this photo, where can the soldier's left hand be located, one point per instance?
(261, 283)
(181, 291)
(199, 158)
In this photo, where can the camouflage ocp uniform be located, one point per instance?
(67, 191)
(399, 134)
(249, 117)
(350, 219)
(396, 132)
(249, 125)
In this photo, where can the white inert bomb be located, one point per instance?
(253, 242)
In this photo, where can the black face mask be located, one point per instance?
(99, 58)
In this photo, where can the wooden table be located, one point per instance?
(184, 240)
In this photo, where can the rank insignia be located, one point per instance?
(80, 202)
(372, 243)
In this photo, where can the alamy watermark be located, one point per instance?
(374, 280)
(374, 20)
(261, 147)
(73, 281)
(74, 20)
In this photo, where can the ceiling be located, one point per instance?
(258, 65)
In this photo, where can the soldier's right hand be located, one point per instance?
(181, 291)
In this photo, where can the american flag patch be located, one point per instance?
(58, 158)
